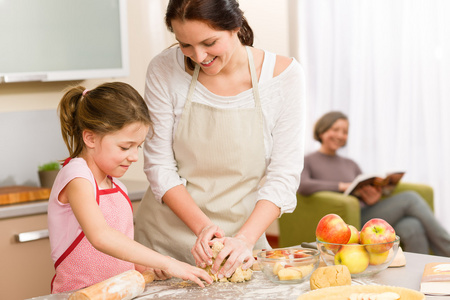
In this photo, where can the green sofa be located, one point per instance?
(300, 226)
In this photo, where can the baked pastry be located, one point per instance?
(346, 292)
(337, 275)
(399, 259)
(239, 275)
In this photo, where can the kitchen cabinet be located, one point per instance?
(26, 268)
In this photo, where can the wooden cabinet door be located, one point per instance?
(26, 268)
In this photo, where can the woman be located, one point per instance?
(218, 132)
(409, 214)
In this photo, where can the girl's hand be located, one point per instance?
(185, 271)
(160, 274)
(370, 194)
(237, 251)
(201, 250)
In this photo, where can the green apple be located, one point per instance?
(354, 256)
(377, 231)
(378, 258)
(354, 237)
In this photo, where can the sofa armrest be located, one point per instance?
(423, 190)
(300, 226)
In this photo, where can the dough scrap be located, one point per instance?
(239, 275)
(337, 275)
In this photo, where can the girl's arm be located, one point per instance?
(81, 197)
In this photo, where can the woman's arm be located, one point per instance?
(165, 90)
(277, 194)
(287, 135)
(310, 185)
(238, 249)
(181, 203)
(165, 93)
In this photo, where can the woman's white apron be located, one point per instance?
(220, 152)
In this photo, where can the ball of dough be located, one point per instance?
(330, 276)
(238, 276)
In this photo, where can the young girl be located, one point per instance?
(90, 216)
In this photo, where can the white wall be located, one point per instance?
(263, 15)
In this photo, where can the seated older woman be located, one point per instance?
(407, 212)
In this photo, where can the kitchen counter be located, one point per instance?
(136, 190)
(261, 288)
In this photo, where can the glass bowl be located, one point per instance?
(288, 265)
(361, 260)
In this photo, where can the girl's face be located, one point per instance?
(114, 153)
(335, 137)
(211, 49)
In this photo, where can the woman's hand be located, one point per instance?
(370, 194)
(202, 251)
(237, 251)
(185, 271)
(343, 186)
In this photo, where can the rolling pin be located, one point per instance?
(124, 286)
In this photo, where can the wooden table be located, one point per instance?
(261, 288)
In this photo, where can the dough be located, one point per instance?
(330, 276)
(238, 276)
(241, 275)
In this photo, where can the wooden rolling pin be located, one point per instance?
(124, 286)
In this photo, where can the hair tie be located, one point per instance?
(85, 92)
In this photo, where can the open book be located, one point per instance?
(387, 182)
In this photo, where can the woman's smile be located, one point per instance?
(209, 62)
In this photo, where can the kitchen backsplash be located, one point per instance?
(27, 140)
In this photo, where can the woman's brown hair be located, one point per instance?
(219, 14)
(103, 110)
(325, 122)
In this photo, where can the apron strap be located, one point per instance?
(192, 87)
(254, 77)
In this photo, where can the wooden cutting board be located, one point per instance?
(20, 193)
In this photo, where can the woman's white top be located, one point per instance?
(283, 107)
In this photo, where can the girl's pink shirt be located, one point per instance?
(63, 226)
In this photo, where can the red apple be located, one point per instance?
(300, 254)
(354, 237)
(332, 229)
(377, 231)
(354, 256)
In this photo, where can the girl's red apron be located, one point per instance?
(81, 264)
(220, 152)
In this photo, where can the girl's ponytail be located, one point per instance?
(70, 128)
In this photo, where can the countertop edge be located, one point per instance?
(136, 190)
